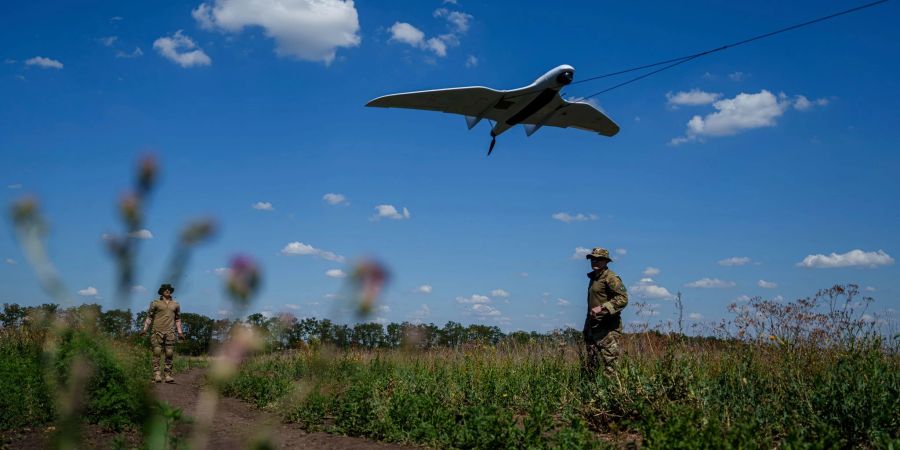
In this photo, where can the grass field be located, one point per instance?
(667, 393)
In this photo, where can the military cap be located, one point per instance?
(599, 253)
(164, 287)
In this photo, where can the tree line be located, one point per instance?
(283, 332)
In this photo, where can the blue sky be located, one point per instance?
(730, 175)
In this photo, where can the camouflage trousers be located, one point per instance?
(601, 340)
(163, 343)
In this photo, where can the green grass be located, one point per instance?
(735, 395)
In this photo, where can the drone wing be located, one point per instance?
(582, 116)
(473, 101)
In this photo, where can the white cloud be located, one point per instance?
(853, 258)
(292, 306)
(734, 261)
(459, 21)
(263, 206)
(868, 288)
(580, 252)
(141, 234)
(651, 271)
(741, 113)
(743, 298)
(311, 30)
(707, 283)
(475, 298)
(647, 288)
(483, 310)
(10, 261)
(407, 34)
(523, 274)
(134, 53)
(569, 218)
(695, 316)
(390, 212)
(108, 41)
(335, 199)
(471, 61)
(89, 291)
(766, 284)
(424, 289)
(801, 103)
(181, 50)
(562, 302)
(14, 186)
(621, 251)
(499, 293)
(299, 248)
(43, 62)
(737, 76)
(693, 97)
(335, 273)
(222, 271)
(138, 289)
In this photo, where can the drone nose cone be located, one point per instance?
(565, 78)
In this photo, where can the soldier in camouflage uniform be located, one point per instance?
(165, 316)
(606, 299)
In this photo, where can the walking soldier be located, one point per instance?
(606, 298)
(165, 316)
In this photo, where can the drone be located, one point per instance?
(534, 106)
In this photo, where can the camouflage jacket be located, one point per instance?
(606, 288)
(164, 314)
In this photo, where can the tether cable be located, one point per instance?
(677, 61)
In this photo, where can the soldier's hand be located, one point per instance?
(143, 332)
(180, 335)
(597, 312)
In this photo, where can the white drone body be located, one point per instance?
(534, 106)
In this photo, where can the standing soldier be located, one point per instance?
(165, 315)
(606, 299)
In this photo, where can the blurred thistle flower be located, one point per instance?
(369, 277)
(243, 279)
(198, 231)
(130, 209)
(26, 214)
(148, 170)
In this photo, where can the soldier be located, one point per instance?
(165, 315)
(606, 299)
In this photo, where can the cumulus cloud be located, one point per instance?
(424, 289)
(651, 271)
(335, 273)
(134, 53)
(141, 234)
(459, 21)
(853, 258)
(483, 310)
(14, 186)
(44, 63)
(301, 249)
(695, 316)
(735, 261)
(868, 288)
(742, 113)
(580, 252)
(693, 97)
(569, 218)
(108, 41)
(335, 199)
(801, 103)
(499, 293)
(737, 76)
(138, 289)
(311, 30)
(263, 206)
(89, 291)
(407, 34)
(181, 50)
(471, 61)
(707, 283)
(390, 212)
(562, 302)
(222, 271)
(10, 261)
(474, 298)
(647, 288)
(766, 284)
(421, 313)
(621, 251)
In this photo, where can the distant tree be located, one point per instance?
(483, 334)
(12, 315)
(198, 330)
(368, 335)
(452, 335)
(115, 322)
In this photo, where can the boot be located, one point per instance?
(169, 378)
(156, 377)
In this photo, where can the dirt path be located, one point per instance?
(235, 425)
